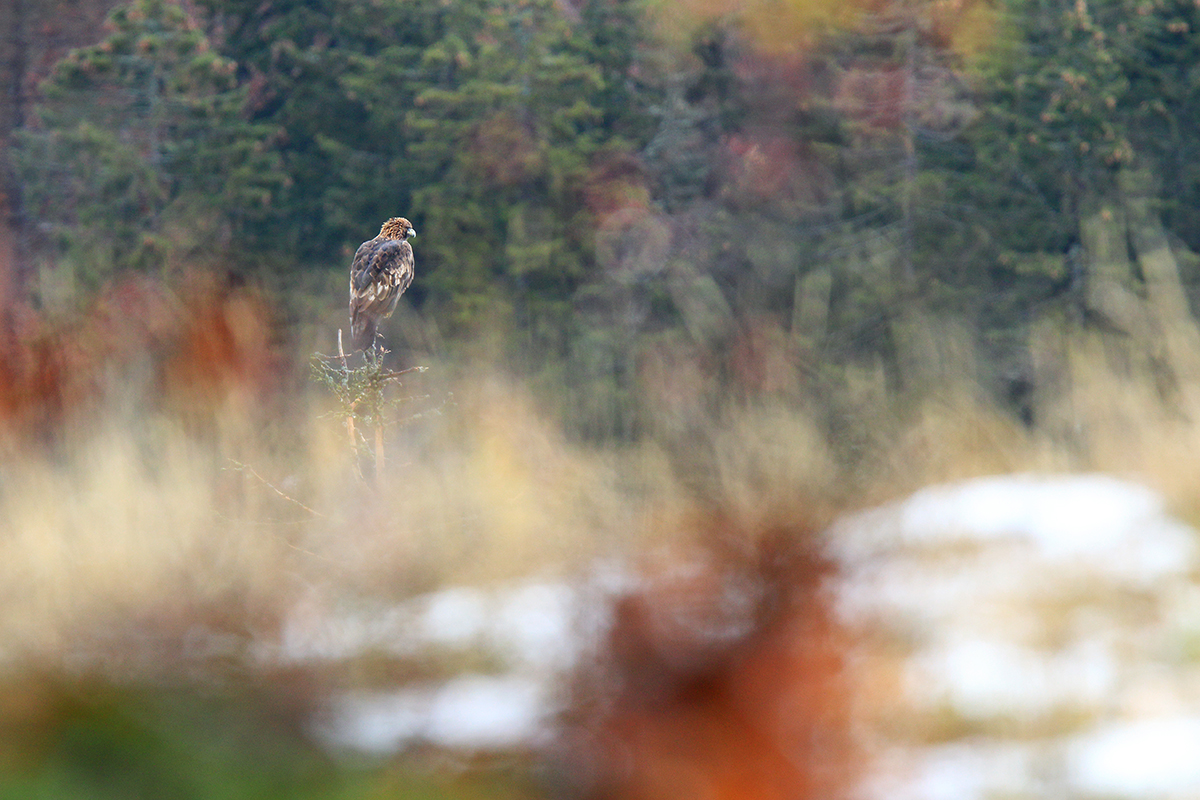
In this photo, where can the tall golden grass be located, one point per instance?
(171, 486)
(163, 449)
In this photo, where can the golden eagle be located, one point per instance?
(382, 269)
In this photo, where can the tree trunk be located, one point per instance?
(1110, 296)
(1166, 301)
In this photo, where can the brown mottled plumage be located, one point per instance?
(382, 269)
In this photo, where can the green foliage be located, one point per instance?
(1051, 135)
(612, 36)
(1074, 94)
(574, 168)
(1085, 89)
(341, 153)
(503, 128)
(478, 120)
(72, 740)
(139, 132)
(362, 390)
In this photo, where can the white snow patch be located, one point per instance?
(1147, 758)
(468, 712)
(477, 711)
(1114, 526)
(535, 625)
(454, 616)
(983, 678)
(1009, 592)
(977, 770)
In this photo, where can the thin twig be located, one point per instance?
(394, 374)
(350, 415)
(240, 467)
(378, 453)
(269, 524)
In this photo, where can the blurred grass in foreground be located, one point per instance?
(86, 739)
(171, 487)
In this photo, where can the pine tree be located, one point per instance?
(502, 130)
(137, 134)
(333, 78)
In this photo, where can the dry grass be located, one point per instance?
(178, 477)
(188, 491)
(112, 535)
(146, 523)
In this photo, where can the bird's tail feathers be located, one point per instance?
(362, 331)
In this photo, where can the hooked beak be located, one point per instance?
(411, 233)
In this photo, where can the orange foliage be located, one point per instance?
(722, 677)
(773, 26)
(222, 360)
(616, 181)
(503, 151)
(763, 359)
(765, 167)
(780, 27)
(137, 341)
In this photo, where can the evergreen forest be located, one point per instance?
(605, 188)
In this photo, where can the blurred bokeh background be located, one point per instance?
(704, 290)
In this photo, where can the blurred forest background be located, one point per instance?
(767, 257)
(812, 198)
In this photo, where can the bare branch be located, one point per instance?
(240, 467)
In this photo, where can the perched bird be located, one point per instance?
(382, 269)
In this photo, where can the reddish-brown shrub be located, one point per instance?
(722, 677)
(202, 351)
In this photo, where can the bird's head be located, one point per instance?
(397, 228)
